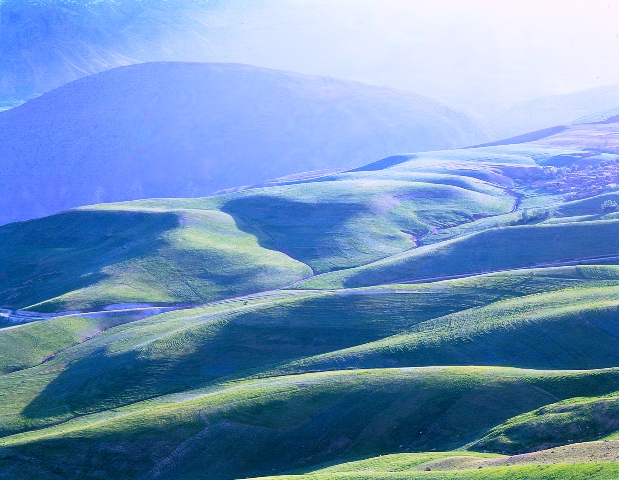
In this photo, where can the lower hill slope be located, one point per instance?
(591, 460)
(64, 371)
(170, 376)
(252, 428)
(586, 418)
(447, 310)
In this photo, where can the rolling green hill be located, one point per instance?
(502, 248)
(86, 259)
(290, 422)
(31, 344)
(195, 251)
(446, 314)
(228, 339)
(572, 328)
(587, 418)
(596, 460)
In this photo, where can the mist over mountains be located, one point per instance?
(551, 110)
(45, 44)
(188, 130)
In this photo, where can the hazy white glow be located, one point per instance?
(469, 52)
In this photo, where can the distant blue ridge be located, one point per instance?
(384, 163)
(525, 138)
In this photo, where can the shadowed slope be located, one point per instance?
(88, 259)
(571, 328)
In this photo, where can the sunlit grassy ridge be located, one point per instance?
(571, 328)
(352, 219)
(198, 250)
(85, 259)
(291, 422)
(495, 249)
(195, 251)
(293, 349)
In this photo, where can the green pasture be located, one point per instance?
(246, 429)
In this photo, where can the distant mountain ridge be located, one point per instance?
(539, 113)
(47, 43)
(174, 129)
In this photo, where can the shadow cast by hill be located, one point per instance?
(46, 258)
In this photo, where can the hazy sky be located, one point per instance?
(468, 52)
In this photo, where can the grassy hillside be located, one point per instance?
(30, 344)
(571, 328)
(227, 339)
(252, 428)
(351, 219)
(87, 259)
(582, 461)
(195, 251)
(587, 418)
(176, 352)
(448, 314)
(490, 250)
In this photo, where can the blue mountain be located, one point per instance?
(173, 129)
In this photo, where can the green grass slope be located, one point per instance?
(195, 251)
(351, 219)
(496, 249)
(267, 426)
(234, 338)
(577, 461)
(30, 344)
(577, 419)
(91, 258)
(576, 327)
(292, 349)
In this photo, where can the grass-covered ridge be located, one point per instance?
(421, 317)
(91, 258)
(264, 333)
(596, 460)
(575, 327)
(249, 428)
(504, 248)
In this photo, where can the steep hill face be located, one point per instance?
(188, 130)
